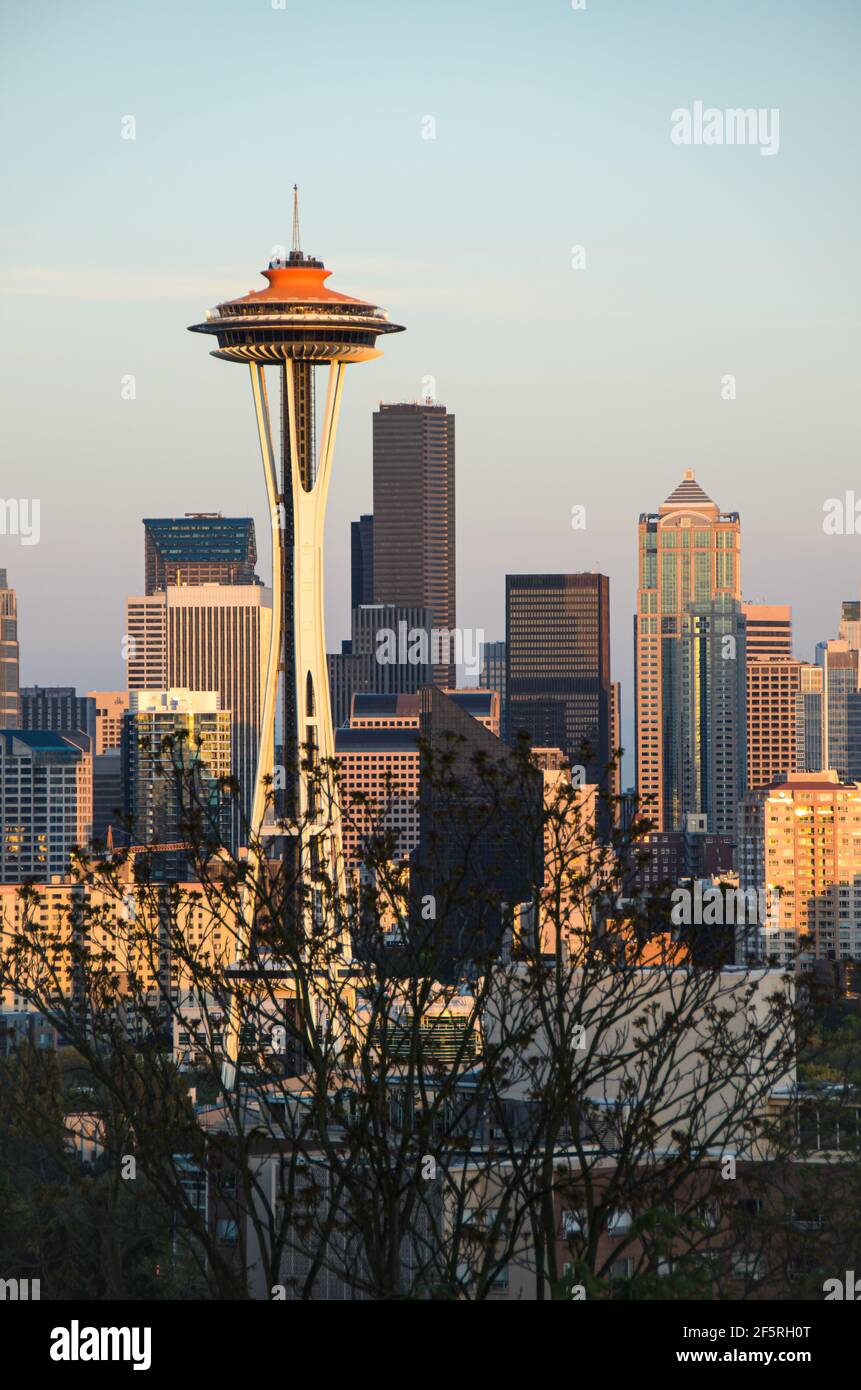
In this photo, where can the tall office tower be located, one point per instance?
(111, 705)
(480, 852)
(773, 685)
(809, 720)
(57, 707)
(414, 514)
(615, 787)
(799, 843)
(850, 623)
(390, 653)
(46, 788)
(379, 756)
(217, 639)
(557, 634)
(839, 663)
(361, 561)
(10, 713)
(168, 782)
(769, 630)
(199, 548)
(689, 552)
(493, 671)
(144, 642)
(213, 637)
(707, 748)
(108, 797)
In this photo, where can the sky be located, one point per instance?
(450, 158)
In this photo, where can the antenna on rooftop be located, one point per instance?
(297, 249)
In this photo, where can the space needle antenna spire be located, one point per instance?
(297, 249)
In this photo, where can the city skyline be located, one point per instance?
(696, 260)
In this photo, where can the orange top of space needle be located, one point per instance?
(296, 316)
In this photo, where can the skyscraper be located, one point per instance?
(361, 561)
(773, 685)
(850, 623)
(111, 705)
(167, 781)
(707, 746)
(769, 630)
(389, 653)
(10, 715)
(199, 548)
(493, 671)
(839, 663)
(414, 514)
(379, 756)
(773, 682)
(557, 633)
(480, 852)
(46, 790)
(799, 843)
(689, 553)
(809, 720)
(58, 707)
(210, 637)
(144, 642)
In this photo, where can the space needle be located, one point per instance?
(298, 326)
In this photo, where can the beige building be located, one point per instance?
(122, 922)
(800, 844)
(773, 684)
(768, 629)
(209, 637)
(111, 705)
(689, 554)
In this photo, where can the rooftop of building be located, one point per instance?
(478, 702)
(43, 740)
(203, 536)
(349, 740)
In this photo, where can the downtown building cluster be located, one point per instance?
(739, 742)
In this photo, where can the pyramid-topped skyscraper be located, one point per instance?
(690, 700)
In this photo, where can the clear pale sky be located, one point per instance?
(595, 387)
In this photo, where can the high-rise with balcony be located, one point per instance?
(414, 514)
(176, 754)
(800, 850)
(46, 786)
(689, 555)
(10, 714)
